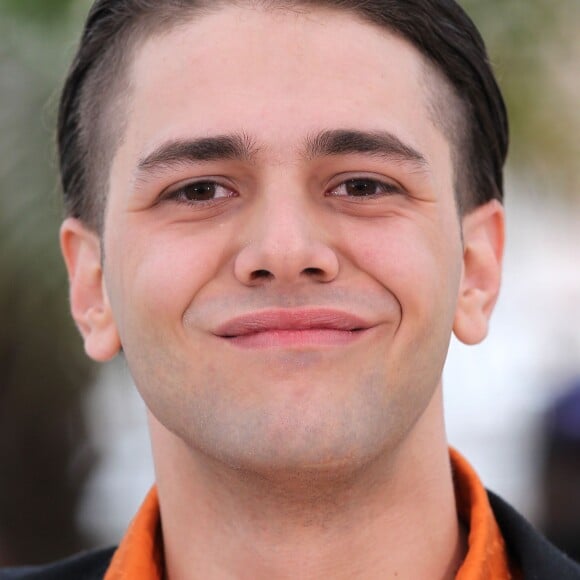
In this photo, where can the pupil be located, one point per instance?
(360, 187)
(201, 191)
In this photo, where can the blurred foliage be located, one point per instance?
(43, 11)
(535, 48)
(45, 457)
(44, 450)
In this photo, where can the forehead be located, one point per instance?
(277, 75)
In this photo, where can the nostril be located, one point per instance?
(313, 271)
(261, 275)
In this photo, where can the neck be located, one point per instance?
(395, 517)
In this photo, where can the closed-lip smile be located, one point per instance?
(293, 328)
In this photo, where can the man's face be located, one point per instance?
(319, 208)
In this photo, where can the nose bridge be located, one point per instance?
(284, 240)
(285, 225)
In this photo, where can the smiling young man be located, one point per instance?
(279, 211)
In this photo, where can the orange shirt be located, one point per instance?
(140, 554)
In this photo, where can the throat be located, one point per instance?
(371, 524)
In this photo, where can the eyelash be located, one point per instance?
(384, 188)
(179, 194)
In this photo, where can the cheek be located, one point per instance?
(158, 276)
(416, 261)
(393, 254)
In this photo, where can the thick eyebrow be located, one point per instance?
(375, 143)
(240, 146)
(180, 151)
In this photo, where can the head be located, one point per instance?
(280, 211)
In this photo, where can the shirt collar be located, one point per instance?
(140, 554)
(486, 557)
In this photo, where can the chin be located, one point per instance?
(305, 445)
(334, 431)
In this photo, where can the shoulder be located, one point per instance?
(85, 566)
(537, 558)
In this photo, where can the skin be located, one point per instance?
(311, 458)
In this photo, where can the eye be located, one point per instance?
(364, 187)
(200, 191)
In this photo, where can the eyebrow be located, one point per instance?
(377, 143)
(234, 147)
(241, 147)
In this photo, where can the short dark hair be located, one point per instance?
(439, 29)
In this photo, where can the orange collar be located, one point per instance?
(486, 557)
(140, 554)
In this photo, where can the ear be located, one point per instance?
(483, 244)
(90, 306)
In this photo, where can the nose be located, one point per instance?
(283, 243)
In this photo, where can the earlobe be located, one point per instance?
(483, 241)
(89, 301)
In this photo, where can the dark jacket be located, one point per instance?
(84, 566)
(535, 556)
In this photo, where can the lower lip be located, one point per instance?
(296, 338)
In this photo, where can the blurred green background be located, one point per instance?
(45, 454)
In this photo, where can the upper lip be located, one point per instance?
(287, 319)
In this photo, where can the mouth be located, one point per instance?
(293, 328)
